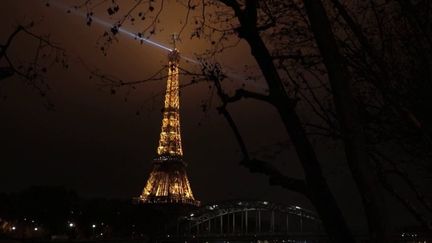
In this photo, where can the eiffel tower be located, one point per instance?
(168, 182)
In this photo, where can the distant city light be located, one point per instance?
(93, 226)
(192, 214)
(213, 207)
(13, 228)
(71, 225)
(36, 229)
(297, 207)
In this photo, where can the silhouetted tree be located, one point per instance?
(34, 68)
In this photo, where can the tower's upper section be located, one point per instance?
(170, 137)
(174, 56)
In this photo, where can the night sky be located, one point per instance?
(95, 143)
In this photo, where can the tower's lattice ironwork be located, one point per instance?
(168, 181)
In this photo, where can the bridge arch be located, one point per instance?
(250, 220)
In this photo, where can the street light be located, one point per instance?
(93, 229)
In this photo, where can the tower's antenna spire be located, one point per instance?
(174, 55)
(174, 38)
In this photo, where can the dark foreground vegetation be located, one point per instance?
(58, 213)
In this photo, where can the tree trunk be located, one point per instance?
(340, 79)
(320, 194)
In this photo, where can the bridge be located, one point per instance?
(248, 221)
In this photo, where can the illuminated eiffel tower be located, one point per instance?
(168, 182)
